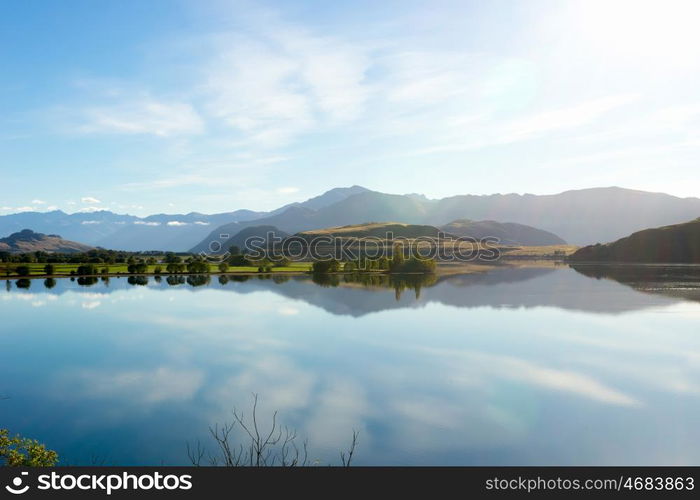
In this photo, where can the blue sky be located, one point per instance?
(178, 106)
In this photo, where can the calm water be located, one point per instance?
(517, 366)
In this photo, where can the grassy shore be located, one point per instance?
(36, 270)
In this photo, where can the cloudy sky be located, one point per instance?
(178, 106)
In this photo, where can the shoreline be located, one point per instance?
(443, 269)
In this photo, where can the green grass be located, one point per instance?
(37, 269)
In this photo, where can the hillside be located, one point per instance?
(226, 241)
(509, 233)
(29, 241)
(374, 229)
(676, 244)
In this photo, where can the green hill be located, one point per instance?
(676, 244)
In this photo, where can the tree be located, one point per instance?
(22, 270)
(238, 260)
(197, 266)
(419, 265)
(397, 258)
(325, 266)
(223, 267)
(171, 258)
(263, 446)
(174, 267)
(234, 250)
(22, 452)
(137, 268)
(86, 269)
(49, 269)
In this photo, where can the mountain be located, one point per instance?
(374, 229)
(177, 232)
(356, 209)
(578, 217)
(29, 241)
(225, 241)
(509, 233)
(676, 244)
(328, 198)
(174, 232)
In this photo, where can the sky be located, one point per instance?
(176, 105)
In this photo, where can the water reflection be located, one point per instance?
(87, 280)
(517, 366)
(23, 283)
(678, 281)
(625, 288)
(138, 280)
(198, 280)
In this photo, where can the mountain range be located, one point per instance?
(579, 217)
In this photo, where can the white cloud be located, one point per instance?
(177, 223)
(25, 209)
(90, 200)
(38, 202)
(90, 222)
(287, 190)
(143, 115)
(285, 82)
(200, 223)
(144, 223)
(288, 311)
(51, 208)
(570, 117)
(141, 386)
(89, 210)
(469, 366)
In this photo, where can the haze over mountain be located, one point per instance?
(579, 217)
(508, 233)
(675, 244)
(177, 232)
(375, 229)
(28, 241)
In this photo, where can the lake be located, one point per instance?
(517, 366)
